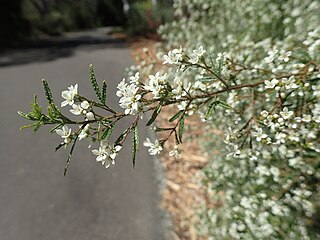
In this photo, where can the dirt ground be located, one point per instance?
(182, 194)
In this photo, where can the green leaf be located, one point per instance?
(154, 115)
(24, 115)
(211, 107)
(181, 127)
(175, 116)
(59, 146)
(70, 156)
(104, 92)
(107, 132)
(94, 82)
(224, 104)
(47, 91)
(28, 126)
(120, 138)
(135, 144)
(56, 127)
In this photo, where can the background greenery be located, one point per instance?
(28, 20)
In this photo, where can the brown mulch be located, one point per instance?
(181, 195)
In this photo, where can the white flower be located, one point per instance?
(65, 133)
(130, 100)
(84, 132)
(69, 95)
(85, 105)
(175, 152)
(114, 151)
(90, 116)
(122, 86)
(154, 148)
(77, 110)
(173, 56)
(155, 84)
(199, 52)
(306, 118)
(194, 59)
(259, 135)
(264, 113)
(286, 114)
(272, 83)
(280, 137)
(102, 153)
(135, 79)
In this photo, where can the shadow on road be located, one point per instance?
(60, 47)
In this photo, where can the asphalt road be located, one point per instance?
(36, 200)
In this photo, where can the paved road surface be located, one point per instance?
(91, 203)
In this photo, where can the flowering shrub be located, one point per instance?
(249, 69)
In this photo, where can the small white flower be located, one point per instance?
(122, 86)
(199, 52)
(175, 152)
(194, 59)
(114, 151)
(69, 95)
(130, 100)
(77, 110)
(264, 113)
(286, 114)
(84, 132)
(135, 79)
(272, 83)
(101, 153)
(65, 133)
(173, 56)
(259, 135)
(306, 118)
(85, 105)
(90, 116)
(154, 148)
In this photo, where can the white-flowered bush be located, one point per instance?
(250, 70)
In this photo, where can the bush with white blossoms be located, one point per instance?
(249, 69)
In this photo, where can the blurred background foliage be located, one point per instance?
(24, 21)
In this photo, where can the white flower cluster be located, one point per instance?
(262, 174)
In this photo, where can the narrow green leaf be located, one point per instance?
(107, 132)
(47, 91)
(135, 144)
(211, 107)
(24, 115)
(94, 82)
(224, 104)
(37, 126)
(120, 138)
(104, 92)
(154, 115)
(28, 126)
(181, 127)
(175, 116)
(59, 146)
(56, 127)
(70, 156)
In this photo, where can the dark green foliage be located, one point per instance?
(154, 115)
(144, 18)
(104, 92)
(211, 107)
(47, 91)
(70, 156)
(107, 132)
(94, 82)
(121, 137)
(135, 144)
(181, 128)
(175, 116)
